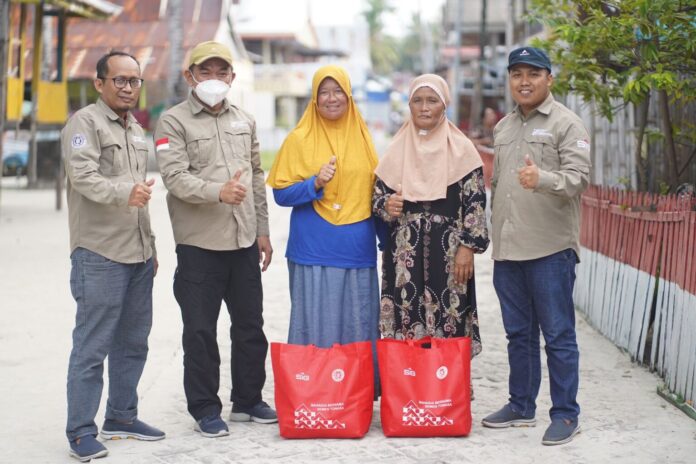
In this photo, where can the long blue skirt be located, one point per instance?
(333, 305)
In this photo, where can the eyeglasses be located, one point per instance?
(120, 82)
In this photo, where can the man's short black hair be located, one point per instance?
(103, 63)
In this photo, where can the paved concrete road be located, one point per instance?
(623, 419)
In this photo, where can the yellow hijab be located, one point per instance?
(347, 198)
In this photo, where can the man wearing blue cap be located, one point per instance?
(542, 165)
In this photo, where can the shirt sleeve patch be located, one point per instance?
(78, 141)
(162, 144)
(584, 144)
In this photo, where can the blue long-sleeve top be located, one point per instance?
(314, 241)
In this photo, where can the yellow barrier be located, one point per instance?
(15, 97)
(53, 103)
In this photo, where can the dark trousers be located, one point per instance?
(538, 294)
(203, 279)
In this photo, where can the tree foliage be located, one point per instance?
(623, 51)
(419, 44)
(383, 48)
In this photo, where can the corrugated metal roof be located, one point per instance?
(140, 31)
(84, 8)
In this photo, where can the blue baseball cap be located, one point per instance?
(531, 56)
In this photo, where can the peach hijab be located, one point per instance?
(425, 164)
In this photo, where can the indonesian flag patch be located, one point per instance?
(161, 144)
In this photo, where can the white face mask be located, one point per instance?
(212, 91)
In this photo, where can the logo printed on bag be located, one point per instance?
(305, 418)
(414, 416)
(410, 372)
(302, 376)
(338, 375)
(441, 372)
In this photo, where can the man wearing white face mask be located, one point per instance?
(208, 155)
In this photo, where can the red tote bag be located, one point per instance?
(323, 392)
(425, 387)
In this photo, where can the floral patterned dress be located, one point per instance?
(419, 296)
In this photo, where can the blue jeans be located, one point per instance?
(114, 316)
(538, 294)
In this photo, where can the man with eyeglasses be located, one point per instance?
(113, 259)
(208, 155)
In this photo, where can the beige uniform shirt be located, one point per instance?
(198, 152)
(103, 161)
(530, 224)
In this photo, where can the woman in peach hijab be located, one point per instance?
(430, 191)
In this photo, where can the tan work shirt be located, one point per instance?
(198, 152)
(103, 161)
(530, 224)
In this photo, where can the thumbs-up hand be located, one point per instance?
(233, 191)
(325, 174)
(141, 193)
(395, 203)
(529, 174)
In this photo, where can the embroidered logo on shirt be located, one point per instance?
(542, 133)
(239, 125)
(139, 139)
(162, 144)
(78, 141)
(441, 372)
(584, 144)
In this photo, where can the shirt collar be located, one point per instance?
(111, 114)
(544, 108)
(197, 106)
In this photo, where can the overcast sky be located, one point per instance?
(339, 12)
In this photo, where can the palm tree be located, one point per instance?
(382, 47)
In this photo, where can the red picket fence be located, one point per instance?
(637, 280)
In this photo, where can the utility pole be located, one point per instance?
(455, 67)
(176, 39)
(47, 58)
(477, 97)
(37, 53)
(4, 34)
(426, 44)
(509, 41)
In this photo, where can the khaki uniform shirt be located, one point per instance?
(103, 161)
(530, 224)
(198, 152)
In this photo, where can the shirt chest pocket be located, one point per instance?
(505, 152)
(502, 144)
(141, 154)
(543, 151)
(111, 159)
(238, 141)
(201, 149)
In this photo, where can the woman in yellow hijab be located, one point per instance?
(325, 172)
